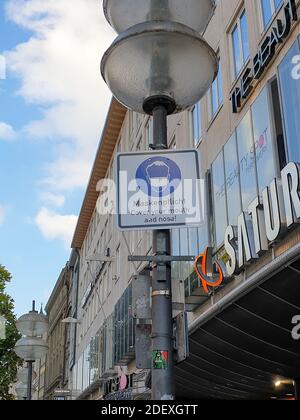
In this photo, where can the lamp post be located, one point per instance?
(159, 65)
(22, 387)
(31, 346)
(21, 390)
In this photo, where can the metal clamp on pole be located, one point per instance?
(165, 293)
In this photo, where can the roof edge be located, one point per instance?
(112, 127)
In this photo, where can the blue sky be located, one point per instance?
(53, 105)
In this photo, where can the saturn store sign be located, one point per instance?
(268, 219)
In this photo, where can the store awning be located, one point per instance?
(242, 351)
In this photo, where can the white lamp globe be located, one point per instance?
(32, 324)
(31, 348)
(21, 390)
(22, 375)
(157, 59)
(123, 14)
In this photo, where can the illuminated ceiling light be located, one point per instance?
(278, 384)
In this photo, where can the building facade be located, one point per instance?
(56, 381)
(247, 132)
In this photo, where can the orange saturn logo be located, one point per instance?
(210, 273)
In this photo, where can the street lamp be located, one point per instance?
(159, 66)
(21, 390)
(31, 346)
(156, 63)
(22, 375)
(33, 324)
(123, 14)
(22, 387)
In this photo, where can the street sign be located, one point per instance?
(159, 190)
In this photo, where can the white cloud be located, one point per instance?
(56, 200)
(2, 214)
(6, 132)
(59, 70)
(56, 226)
(2, 67)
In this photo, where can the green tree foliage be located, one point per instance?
(9, 361)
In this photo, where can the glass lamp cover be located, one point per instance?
(32, 324)
(123, 14)
(22, 375)
(159, 58)
(21, 390)
(31, 348)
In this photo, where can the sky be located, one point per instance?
(53, 105)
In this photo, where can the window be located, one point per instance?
(232, 176)
(268, 8)
(86, 369)
(108, 344)
(186, 241)
(79, 374)
(278, 122)
(118, 263)
(109, 284)
(124, 329)
(219, 199)
(197, 125)
(104, 287)
(94, 359)
(175, 242)
(250, 161)
(247, 161)
(263, 140)
(240, 43)
(216, 93)
(290, 94)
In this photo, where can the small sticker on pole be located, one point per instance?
(160, 359)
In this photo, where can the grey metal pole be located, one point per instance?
(163, 387)
(29, 383)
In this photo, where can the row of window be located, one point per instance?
(264, 141)
(240, 47)
(261, 145)
(240, 35)
(112, 345)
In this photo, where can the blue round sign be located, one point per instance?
(158, 176)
